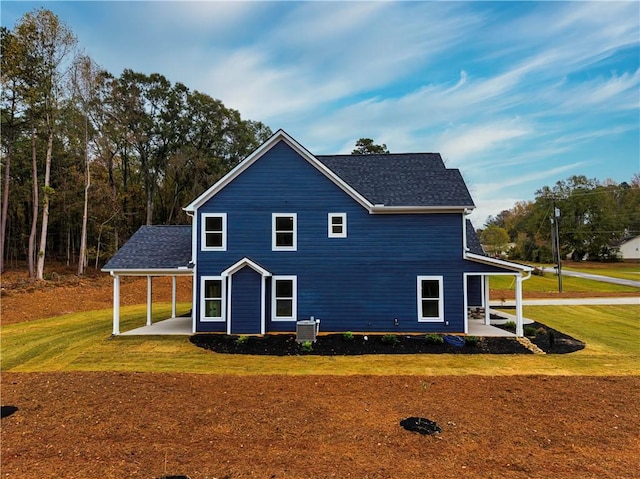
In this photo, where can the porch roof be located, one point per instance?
(154, 250)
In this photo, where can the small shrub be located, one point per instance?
(510, 325)
(242, 340)
(391, 339)
(471, 340)
(552, 338)
(307, 346)
(541, 331)
(347, 336)
(530, 331)
(434, 339)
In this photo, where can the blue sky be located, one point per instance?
(516, 95)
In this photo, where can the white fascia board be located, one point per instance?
(241, 264)
(497, 262)
(380, 209)
(150, 272)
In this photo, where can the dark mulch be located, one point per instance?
(547, 339)
(337, 345)
(550, 340)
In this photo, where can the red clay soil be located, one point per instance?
(116, 425)
(120, 425)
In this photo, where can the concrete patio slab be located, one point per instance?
(173, 326)
(478, 328)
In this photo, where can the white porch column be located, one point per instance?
(487, 314)
(148, 300)
(173, 296)
(519, 327)
(116, 305)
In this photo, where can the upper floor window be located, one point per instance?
(284, 237)
(337, 225)
(430, 298)
(214, 231)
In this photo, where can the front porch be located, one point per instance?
(183, 326)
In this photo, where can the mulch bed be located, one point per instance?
(359, 344)
(550, 340)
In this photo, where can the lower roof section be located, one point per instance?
(154, 250)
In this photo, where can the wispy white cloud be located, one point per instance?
(513, 96)
(474, 140)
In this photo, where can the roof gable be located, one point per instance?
(277, 137)
(409, 182)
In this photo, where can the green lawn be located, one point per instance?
(549, 283)
(82, 342)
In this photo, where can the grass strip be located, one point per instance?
(83, 342)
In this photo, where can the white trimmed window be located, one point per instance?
(214, 232)
(284, 298)
(212, 295)
(284, 227)
(337, 225)
(430, 299)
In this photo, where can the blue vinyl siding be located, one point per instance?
(359, 283)
(474, 291)
(246, 302)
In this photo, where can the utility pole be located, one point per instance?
(555, 243)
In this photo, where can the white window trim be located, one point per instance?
(203, 234)
(294, 306)
(330, 217)
(440, 317)
(223, 298)
(273, 232)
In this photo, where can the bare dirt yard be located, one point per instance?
(120, 425)
(116, 425)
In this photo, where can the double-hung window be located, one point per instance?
(212, 296)
(337, 225)
(430, 299)
(284, 298)
(284, 234)
(214, 232)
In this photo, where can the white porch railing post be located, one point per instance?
(519, 327)
(148, 300)
(173, 296)
(487, 314)
(116, 305)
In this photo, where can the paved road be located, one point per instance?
(596, 277)
(566, 301)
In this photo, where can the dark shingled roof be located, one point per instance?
(408, 179)
(154, 247)
(473, 242)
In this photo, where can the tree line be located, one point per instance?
(591, 216)
(87, 157)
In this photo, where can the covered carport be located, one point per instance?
(152, 251)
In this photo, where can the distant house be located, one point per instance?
(629, 248)
(363, 243)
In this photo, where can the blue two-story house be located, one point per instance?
(363, 243)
